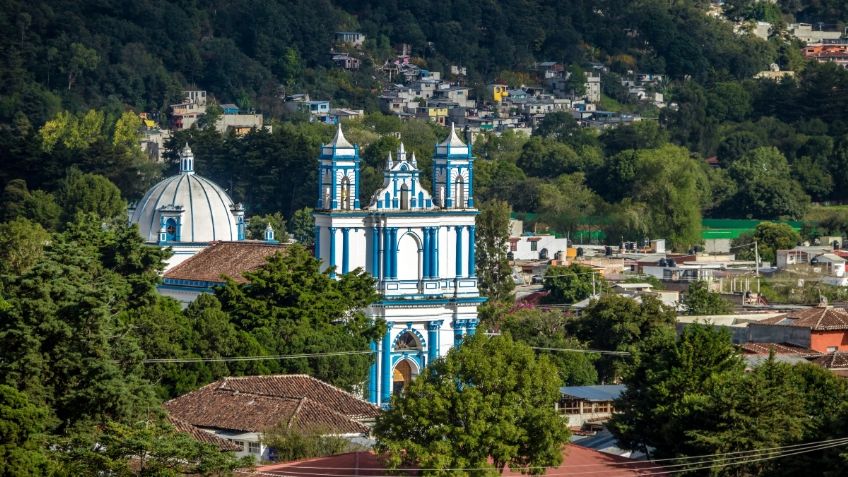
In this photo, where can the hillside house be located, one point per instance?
(588, 404)
(352, 38)
(822, 328)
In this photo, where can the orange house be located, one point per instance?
(821, 328)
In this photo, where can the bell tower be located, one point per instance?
(453, 173)
(338, 175)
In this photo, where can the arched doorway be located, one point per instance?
(403, 375)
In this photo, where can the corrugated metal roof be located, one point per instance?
(599, 393)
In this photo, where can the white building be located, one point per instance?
(419, 246)
(536, 247)
(186, 212)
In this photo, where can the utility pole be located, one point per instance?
(593, 283)
(756, 259)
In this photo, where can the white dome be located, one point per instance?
(202, 210)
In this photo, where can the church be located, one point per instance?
(417, 244)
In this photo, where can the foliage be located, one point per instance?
(291, 307)
(21, 246)
(566, 202)
(257, 223)
(667, 386)
(699, 300)
(145, 448)
(23, 440)
(572, 283)
(90, 194)
(289, 445)
(548, 329)
(489, 403)
(620, 323)
(493, 268)
(770, 237)
(302, 227)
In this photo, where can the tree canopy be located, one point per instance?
(489, 403)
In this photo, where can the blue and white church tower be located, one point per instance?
(417, 244)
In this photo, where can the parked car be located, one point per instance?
(537, 279)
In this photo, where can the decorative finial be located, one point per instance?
(389, 162)
(339, 141)
(186, 160)
(413, 161)
(401, 153)
(269, 233)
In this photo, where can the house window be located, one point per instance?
(253, 447)
(534, 246)
(240, 444)
(513, 246)
(832, 349)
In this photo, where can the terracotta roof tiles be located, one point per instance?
(258, 403)
(820, 318)
(200, 435)
(778, 348)
(837, 360)
(224, 258)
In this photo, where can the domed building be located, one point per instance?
(187, 212)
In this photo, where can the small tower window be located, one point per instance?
(345, 194)
(460, 192)
(404, 197)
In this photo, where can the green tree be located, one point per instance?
(566, 285)
(21, 245)
(127, 131)
(23, 438)
(548, 329)
(90, 193)
(566, 202)
(146, 448)
(302, 227)
(668, 385)
(80, 60)
(292, 444)
(488, 404)
(576, 80)
(292, 307)
(770, 237)
(257, 224)
(766, 189)
(88, 277)
(699, 300)
(493, 269)
(620, 323)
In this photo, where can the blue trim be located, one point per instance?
(435, 252)
(399, 213)
(386, 251)
(386, 368)
(427, 252)
(332, 261)
(472, 263)
(375, 252)
(394, 255)
(416, 333)
(433, 328)
(372, 375)
(459, 251)
(345, 250)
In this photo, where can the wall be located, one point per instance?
(760, 333)
(821, 340)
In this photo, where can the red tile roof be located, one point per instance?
(820, 318)
(200, 435)
(778, 348)
(258, 403)
(225, 258)
(837, 360)
(576, 461)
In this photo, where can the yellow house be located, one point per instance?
(498, 92)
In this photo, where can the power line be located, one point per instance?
(252, 358)
(577, 350)
(719, 460)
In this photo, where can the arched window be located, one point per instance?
(346, 199)
(460, 192)
(404, 197)
(407, 341)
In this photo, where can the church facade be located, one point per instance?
(418, 244)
